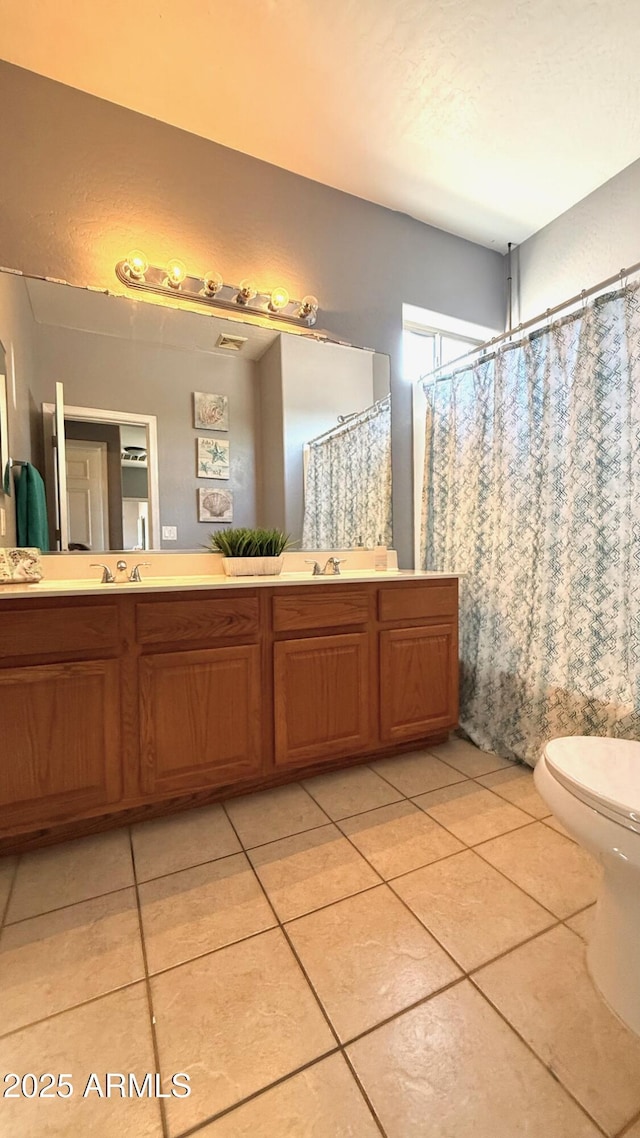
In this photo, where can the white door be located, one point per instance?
(87, 493)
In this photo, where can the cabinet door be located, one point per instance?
(322, 697)
(60, 731)
(418, 681)
(200, 718)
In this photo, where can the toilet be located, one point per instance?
(592, 785)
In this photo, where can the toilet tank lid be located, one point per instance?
(607, 770)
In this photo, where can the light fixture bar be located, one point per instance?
(211, 291)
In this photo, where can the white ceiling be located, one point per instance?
(487, 118)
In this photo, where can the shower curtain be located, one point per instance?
(348, 484)
(532, 490)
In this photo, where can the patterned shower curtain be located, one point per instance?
(348, 484)
(532, 490)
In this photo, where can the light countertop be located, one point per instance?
(194, 583)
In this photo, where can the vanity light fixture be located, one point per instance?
(136, 265)
(246, 292)
(176, 273)
(278, 300)
(213, 282)
(308, 307)
(210, 289)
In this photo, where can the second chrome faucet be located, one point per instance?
(107, 574)
(331, 569)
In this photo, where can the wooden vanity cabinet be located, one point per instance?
(121, 707)
(60, 713)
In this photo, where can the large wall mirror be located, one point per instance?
(153, 425)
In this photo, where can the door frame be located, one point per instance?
(124, 419)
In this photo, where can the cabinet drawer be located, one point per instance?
(333, 608)
(166, 622)
(41, 631)
(418, 602)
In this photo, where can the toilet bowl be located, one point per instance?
(592, 785)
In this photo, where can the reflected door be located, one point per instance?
(87, 494)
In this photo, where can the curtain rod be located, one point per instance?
(350, 420)
(535, 319)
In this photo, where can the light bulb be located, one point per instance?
(308, 306)
(176, 272)
(247, 291)
(136, 265)
(213, 282)
(279, 299)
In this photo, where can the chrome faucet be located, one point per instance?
(135, 572)
(107, 576)
(331, 569)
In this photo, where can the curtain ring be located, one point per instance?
(583, 297)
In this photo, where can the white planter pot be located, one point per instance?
(252, 566)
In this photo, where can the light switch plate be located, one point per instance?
(169, 533)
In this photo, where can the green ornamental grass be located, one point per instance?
(244, 542)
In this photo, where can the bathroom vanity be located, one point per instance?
(120, 703)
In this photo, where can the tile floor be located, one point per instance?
(393, 950)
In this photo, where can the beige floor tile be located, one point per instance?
(544, 990)
(236, 1021)
(343, 793)
(582, 922)
(75, 871)
(368, 958)
(556, 872)
(517, 786)
(558, 827)
(167, 845)
(310, 870)
(398, 838)
(200, 909)
(111, 1034)
(470, 760)
(7, 870)
(52, 962)
(274, 814)
(452, 1068)
(471, 908)
(323, 1101)
(472, 813)
(417, 772)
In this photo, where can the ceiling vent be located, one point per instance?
(231, 343)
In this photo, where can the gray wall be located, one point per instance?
(319, 381)
(158, 379)
(590, 242)
(84, 181)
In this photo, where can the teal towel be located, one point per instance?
(31, 509)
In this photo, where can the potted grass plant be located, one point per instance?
(250, 552)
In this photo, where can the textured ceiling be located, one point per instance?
(487, 118)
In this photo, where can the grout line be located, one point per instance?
(198, 1126)
(152, 1019)
(317, 997)
(280, 925)
(71, 904)
(547, 1066)
(3, 915)
(363, 1092)
(628, 1126)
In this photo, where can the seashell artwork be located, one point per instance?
(215, 505)
(210, 412)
